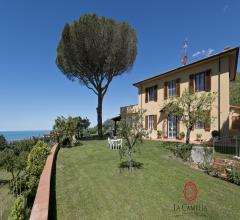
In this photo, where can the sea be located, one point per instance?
(20, 135)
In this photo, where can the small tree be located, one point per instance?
(131, 129)
(93, 50)
(191, 108)
(14, 162)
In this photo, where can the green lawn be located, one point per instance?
(90, 186)
(6, 199)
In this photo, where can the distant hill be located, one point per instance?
(235, 91)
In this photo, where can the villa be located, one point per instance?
(210, 74)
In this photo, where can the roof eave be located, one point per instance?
(137, 84)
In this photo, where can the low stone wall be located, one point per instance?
(40, 208)
(198, 155)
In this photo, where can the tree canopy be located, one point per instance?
(191, 108)
(69, 129)
(93, 50)
(235, 91)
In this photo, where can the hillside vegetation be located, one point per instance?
(235, 91)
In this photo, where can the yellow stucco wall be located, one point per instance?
(153, 108)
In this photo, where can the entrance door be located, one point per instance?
(172, 126)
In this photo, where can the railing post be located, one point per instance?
(236, 145)
(214, 143)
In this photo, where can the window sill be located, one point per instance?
(200, 91)
(151, 101)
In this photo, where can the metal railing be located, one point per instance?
(229, 145)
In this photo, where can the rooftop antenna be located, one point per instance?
(184, 57)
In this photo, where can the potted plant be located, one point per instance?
(199, 137)
(159, 134)
(181, 135)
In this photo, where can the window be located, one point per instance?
(199, 82)
(199, 125)
(172, 88)
(151, 93)
(151, 121)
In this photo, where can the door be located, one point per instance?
(172, 126)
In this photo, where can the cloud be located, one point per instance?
(210, 51)
(203, 52)
(225, 8)
(196, 54)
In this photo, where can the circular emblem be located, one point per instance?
(190, 191)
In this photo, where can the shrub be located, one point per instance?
(18, 210)
(35, 163)
(3, 142)
(207, 168)
(64, 141)
(215, 133)
(92, 130)
(233, 173)
(182, 151)
(67, 130)
(211, 170)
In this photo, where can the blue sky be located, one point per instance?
(33, 92)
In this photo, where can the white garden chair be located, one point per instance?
(109, 143)
(115, 143)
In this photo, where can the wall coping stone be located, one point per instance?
(40, 209)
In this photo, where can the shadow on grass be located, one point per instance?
(95, 137)
(69, 146)
(53, 204)
(4, 182)
(125, 165)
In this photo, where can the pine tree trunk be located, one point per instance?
(99, 113)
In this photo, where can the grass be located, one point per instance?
(89, 185)
(6, 199)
